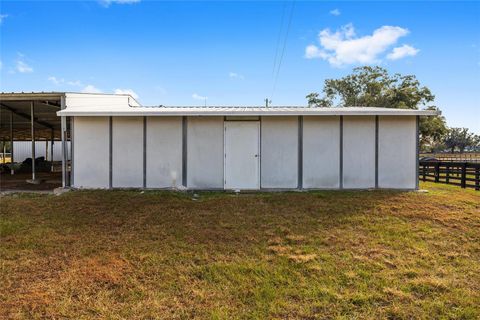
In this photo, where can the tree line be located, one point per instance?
(373, 86)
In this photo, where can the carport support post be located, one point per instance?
(63, 125)
(51, 151)
(32, 127)
(63, 122)
(11, 143)
(4, 149)
(417, 152)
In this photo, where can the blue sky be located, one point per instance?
(178, 53)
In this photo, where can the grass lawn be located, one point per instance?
(133, 255)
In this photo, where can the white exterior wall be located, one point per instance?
(205, 153)
(95, 101)
(164, 152)
(397, 152)
(321, 152)
(358, 152)
(127, 152)
(279, 152)
(91, 156)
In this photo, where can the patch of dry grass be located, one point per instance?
(124, 254)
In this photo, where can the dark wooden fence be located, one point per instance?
(453, 157)
(463, 174)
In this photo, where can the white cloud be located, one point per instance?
(402, 52)
(55, 80)
(107, 3)
(312, 51)
(344, 47)
(91, 89)
(199, 97)
(335, 12)
(127, 91)
(234, 75)
(2, 17)
(23, 67)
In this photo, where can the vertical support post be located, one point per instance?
(417, 153)
(110, 155)
(425, 173)
(63, 126)
(51, 150)
(464, 175)
(447, 176)
(144, 152)
(376, 152)
(437, 172)
(341, 152)
(72, 151)
(260, 155)
(300, 152)
(4, 149)
(63, 122)
(12, 171)
(32, 128)
(477, 178)
(184, 151)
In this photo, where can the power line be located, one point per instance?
(278, 39)
(283, 49)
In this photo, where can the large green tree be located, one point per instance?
(460, 139)
(374, 87)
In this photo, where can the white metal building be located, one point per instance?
(117, 143)
(239, 147)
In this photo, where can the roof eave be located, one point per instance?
(5, 96)
(269, 112)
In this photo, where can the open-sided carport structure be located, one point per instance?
(33, 117)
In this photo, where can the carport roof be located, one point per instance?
(16, 107)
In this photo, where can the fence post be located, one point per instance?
(464, 175)
(424, 172)
(477, 179)
(447, 176)
(437, 172)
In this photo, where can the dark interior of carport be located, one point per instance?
(31, 117)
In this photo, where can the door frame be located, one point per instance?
(259, 163)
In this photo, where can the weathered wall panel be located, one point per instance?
(205, 153)
(279, 152)
(397, 152)
(127, 152)
(358, 152)
(164, 152)
(91, 157)
(321, 152)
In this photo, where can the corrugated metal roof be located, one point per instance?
(234, 111)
